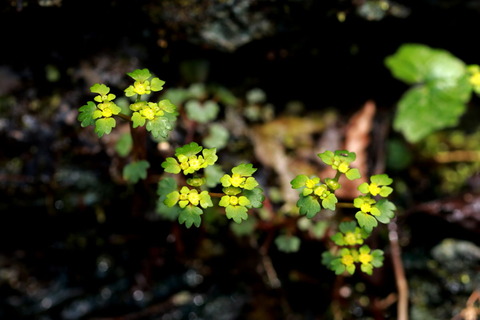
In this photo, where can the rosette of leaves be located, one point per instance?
(189, 200)
(349, 235)
(242, 192)
(347, 260)
(189, 160)
(314, 195)
(372, 209)
(101, 114)
(340, 161)
(157, 117)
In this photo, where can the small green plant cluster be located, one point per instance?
(193, 183)
(372, 207)
(158, 117)
(241, 190)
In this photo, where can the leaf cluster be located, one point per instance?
(241, 190)
(158, 117)
(315, 195)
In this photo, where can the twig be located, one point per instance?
(402, 284)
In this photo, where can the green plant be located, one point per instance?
(193, 183)
(371, 204)
(441, 85)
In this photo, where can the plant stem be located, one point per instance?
(345, 205)
(402, 284)
(124, 117)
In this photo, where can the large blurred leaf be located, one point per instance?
(441, 90)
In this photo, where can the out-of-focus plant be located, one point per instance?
(441, 86)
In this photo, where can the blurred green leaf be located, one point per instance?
(247, 227)
(441, 90)
(124, 144)
(202, 112)
(255, 196)
(190, 215)
(287, 243)
(217, 137)
(213, 174)
(135, 171)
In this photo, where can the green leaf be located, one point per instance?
(124, 144)
(337, 238)
(171, 165)
(244, 169)
(381, 179)
(86, 114)
(327, 157)
(138, 120)
(247, 227)
(255, 196)
(387, 210)
(188, 150)
(100, 89)
(172, 198)
(190, 215)
(377, 255)
(415, 63)
(140, 75)
(308, 206)
(165, 187)
(319, 229)
(329, 202)
(104, 126)
(438, 100)
(385, 191)
(130, 91)
(156, 84)
(299, 181)
(237, 213)
(160, 127)
(367, 268)
(350, 268)
(217, 137)
(347, 226)
(202, 113)
(422, 111)
(135, 171)
(250, 183)
(363, 188)
(167, 106)
(213, 174)
(288, 243)
(353, 174)
(210, 156)
(176, 95)
(205, 200)
(346, 155)
(366, 221)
